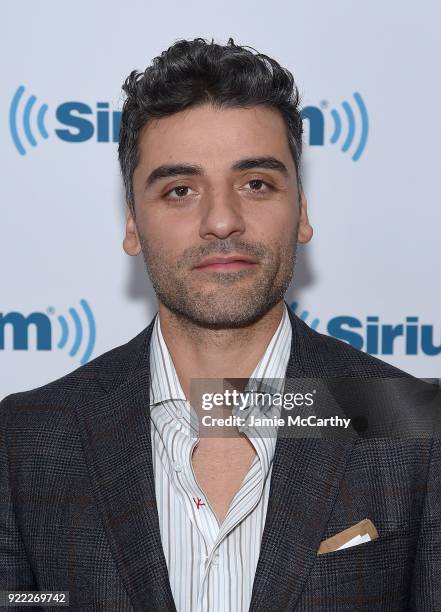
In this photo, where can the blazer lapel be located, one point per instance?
(115, 430)
(305, 481)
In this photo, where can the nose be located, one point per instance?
(222, 215)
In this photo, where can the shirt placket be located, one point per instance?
(194, 500)
(215, 562)
(199, 510)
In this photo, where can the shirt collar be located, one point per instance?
(164, 381)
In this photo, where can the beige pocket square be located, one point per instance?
(364, 531)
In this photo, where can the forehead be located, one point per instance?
(214, 136)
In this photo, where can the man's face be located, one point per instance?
(217, 183)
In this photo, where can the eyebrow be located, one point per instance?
(248, 163)
(169, 170)
(268, 162)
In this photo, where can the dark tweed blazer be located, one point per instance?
(78, 510)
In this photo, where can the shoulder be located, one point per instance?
(103, 373)
(393, 402)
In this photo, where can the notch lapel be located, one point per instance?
(305, 480)
(304, 485)
(116, 436)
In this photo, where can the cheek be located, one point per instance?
(277, 227)
(150, 235)
(152, 228)
(164, 239)
(290, 224)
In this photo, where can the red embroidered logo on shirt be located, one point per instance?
(198, 501)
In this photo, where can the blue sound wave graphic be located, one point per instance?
(78, 331)
(26, 120)
(351, 123)
(304, 315)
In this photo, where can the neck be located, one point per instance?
(198, 352)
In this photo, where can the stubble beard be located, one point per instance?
(224, 301)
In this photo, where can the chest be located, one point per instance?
(220, 465)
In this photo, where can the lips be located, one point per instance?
(230, 262)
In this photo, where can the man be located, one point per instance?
(110, 491)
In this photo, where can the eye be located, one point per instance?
(180, 192)
(259, 186)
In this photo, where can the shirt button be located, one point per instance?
(178, 413)
(177, 467)
(215, 559)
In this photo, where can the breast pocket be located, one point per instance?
(373, 577)
(385, 554)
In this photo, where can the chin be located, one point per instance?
(220, 314)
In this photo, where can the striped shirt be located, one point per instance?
(211, 566)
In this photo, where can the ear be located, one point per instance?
(305, 231)
(131, 242)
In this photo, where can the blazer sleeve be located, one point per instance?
(15, 570)
(426, 583)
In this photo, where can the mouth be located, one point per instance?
(225, 264)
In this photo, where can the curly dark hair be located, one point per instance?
(194, 72)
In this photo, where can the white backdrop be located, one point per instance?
(376, 247)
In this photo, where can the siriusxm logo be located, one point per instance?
(79, 122)
(376, 338)
(75, 334)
